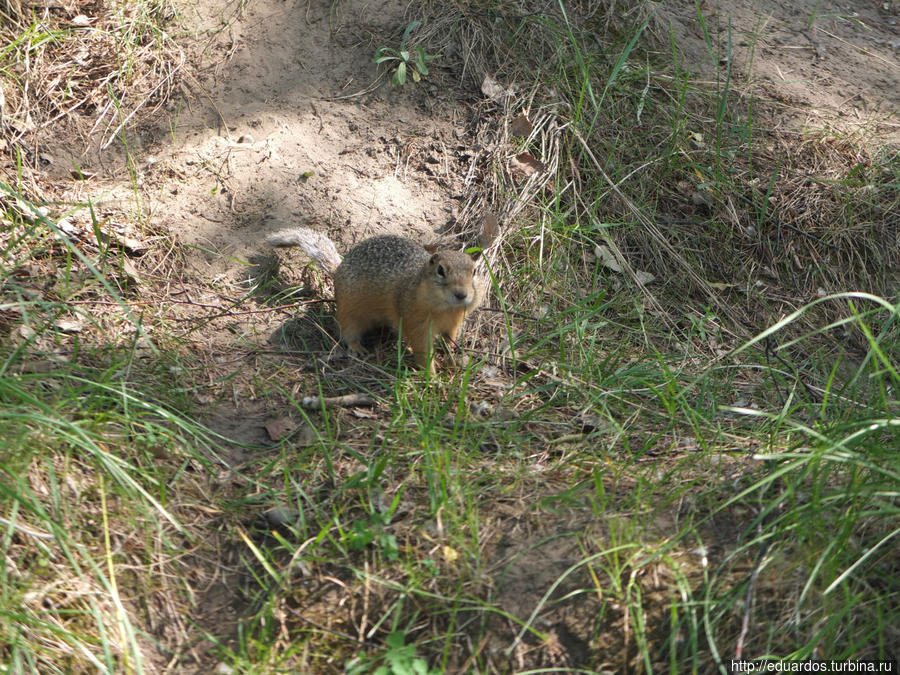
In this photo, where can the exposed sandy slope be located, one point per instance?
(827, 62)
(273, 131)
(279, 134)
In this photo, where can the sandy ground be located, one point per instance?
(286, 121)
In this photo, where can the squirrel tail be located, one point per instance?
(315, 244)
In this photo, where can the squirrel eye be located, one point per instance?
(440, 271)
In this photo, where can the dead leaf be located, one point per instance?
(65, 225)
(607, 258)
(280, 428)
(526, 164)
(699, 199)
(69, 325)
(520, 126)
(490, 228)
(134, 246)
(644, 278)
(131, 270)
(130, 245)
(33, 269)
(280, 516)
(590, 421)
(40, 366)
(450, 554)
(609, 261)
(494, 90)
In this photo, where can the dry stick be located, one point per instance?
(474, 655)
(24, 529)
(346, 401)
(226, 312)
(372, 87)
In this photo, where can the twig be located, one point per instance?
(128, 117)
(227, 312)
(372, 87)
(346, 401)
(24, 529)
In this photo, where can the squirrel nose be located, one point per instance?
(461, 295)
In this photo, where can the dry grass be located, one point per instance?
(747, 219)
(82, 71)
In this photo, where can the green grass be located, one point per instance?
(92, 444)
(648, 479)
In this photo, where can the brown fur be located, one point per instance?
(391, 281)
(421, 292)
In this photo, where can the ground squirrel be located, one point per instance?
(391, 281)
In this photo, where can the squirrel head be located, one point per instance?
(455, 272)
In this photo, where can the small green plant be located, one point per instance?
(399, 659)
(371, 531)
(414, 61)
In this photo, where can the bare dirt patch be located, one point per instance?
(297, 127)
(818, 63)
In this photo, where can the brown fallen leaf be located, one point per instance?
(69, 325)
(130, 245)
(526, 164)
(490, 228)
(134, 246)
(520, 126)
(608, 259)
(590, 421)
(129, 269)
(493, 89)
(280, 428)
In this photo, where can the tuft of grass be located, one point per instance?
(92, 440)
(92, 73)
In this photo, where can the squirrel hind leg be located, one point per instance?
(352, 333)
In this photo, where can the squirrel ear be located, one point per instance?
(431, 248)
(434, 258)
